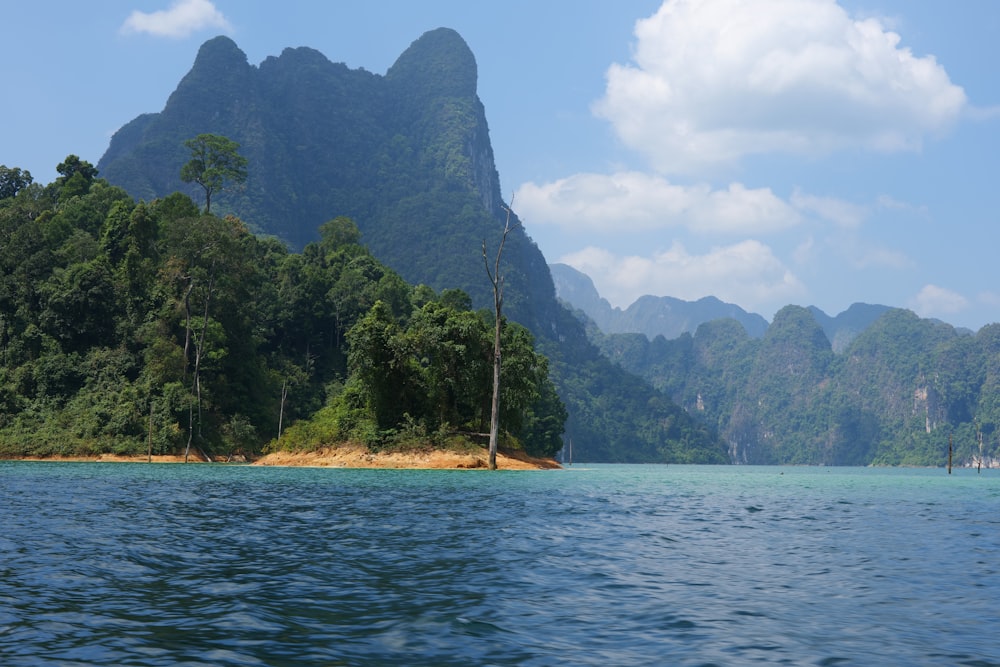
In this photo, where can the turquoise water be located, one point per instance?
(134, 564)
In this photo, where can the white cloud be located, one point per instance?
(714, 80)
(838, 211)
(868, 257)
(887, 203)
(989, 298)
(805, 252)
(858, 253)
(934, 301)
(633, 201)
(745, 273)
(181, 19)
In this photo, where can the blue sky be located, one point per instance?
(766, 152)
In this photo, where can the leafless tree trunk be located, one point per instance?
(979, 435)
(149, 441)
(187, 322)
(496, 279)
(196, 375)
(281, 408)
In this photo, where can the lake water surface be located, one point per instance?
(137, 564)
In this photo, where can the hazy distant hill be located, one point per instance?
(651, 315)
(871, 385)
(669, 317)
(407, 155)
(848, 325)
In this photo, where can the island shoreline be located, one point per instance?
(347, 456)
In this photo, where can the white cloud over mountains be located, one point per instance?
(715, 80)
(633, 202)
(712, 82)
(636, 201)
(181, 19)
(744, 273)
(933, 301)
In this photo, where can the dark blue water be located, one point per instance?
(133, 564)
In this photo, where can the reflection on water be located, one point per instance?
(133, 564)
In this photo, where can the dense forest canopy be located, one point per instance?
(131, 326)
(898, 393)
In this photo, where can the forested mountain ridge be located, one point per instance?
(871, 385)
(670, 317)
(895, 395)
(407, 156)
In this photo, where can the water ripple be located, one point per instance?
(212, 565)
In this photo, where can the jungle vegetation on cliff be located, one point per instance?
(126, 326)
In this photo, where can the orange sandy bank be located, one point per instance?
(358, 457)
(344, 457)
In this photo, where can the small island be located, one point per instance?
(161, 331)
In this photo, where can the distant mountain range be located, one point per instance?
(873, 384)
(670, 317)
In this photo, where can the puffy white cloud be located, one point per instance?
(181, 19)
(746, 273)
(838, 211)
(934, 301)
(633, 201)
(714, 80)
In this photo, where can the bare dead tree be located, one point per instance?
(199, 349)
(281, 407)
(496, 280)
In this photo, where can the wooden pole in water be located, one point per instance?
(149, 437)
(979, 433)
(949, 454)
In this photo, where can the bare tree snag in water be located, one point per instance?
(496, 279)
(979, 436)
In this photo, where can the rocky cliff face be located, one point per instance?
(437, 77)
(314, 130)
(406, 155)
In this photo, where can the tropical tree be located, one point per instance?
(214, 161)
(13, 180)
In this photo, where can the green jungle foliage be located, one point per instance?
(899, 392)
(126, 327)
(408, 156)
